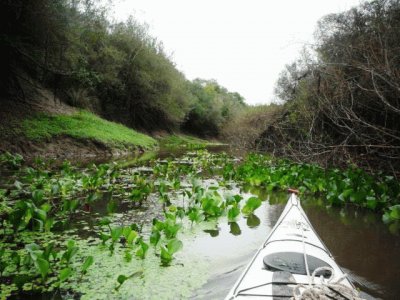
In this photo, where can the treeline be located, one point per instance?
(115, 69)
(341, 101)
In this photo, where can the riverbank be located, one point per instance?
(77, 134)
(46, 127)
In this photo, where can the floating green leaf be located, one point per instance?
(251, 205)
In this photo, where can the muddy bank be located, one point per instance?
(65, 147)
(16, 108)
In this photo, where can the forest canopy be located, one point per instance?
(116, 69)
(342, 98)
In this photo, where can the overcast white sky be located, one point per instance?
(243, 44)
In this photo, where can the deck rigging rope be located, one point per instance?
(326, 289)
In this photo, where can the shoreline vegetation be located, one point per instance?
(84, 134)
(74, 54)
(63, 226)
(76, 84)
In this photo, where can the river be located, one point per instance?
(215, 252)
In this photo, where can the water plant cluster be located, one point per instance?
(45, 247)
(40, 202)
(352, 186)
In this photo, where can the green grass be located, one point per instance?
(84, 125)
(173, 141)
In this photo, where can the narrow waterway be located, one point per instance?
(215, 251)
(362, 245)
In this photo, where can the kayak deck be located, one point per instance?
(279, 265)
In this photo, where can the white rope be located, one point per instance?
(326, 289)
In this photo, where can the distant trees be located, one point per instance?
(213, 107)
(244, 130)
(343, 104)
(115, 69)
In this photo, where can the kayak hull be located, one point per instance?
(280, 264)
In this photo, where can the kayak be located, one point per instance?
(292, 260)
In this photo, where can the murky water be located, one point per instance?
(216, 252)
(360, 243)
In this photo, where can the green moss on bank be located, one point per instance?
(83, 125)
(190, 142)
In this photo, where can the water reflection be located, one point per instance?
(231, 251)
(361, 244)
(235, 228)
(253, 221)
(212, 232)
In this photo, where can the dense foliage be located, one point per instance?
(215, 108)
(351, 186)
(41, 206)
(341, 102)
(249, 123)
(115, 69)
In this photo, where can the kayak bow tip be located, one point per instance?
(293, 191)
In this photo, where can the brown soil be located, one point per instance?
(13, 109)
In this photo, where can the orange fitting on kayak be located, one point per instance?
(294, 191)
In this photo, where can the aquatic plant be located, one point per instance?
(40, 202)
(12, 161)
(392, 214)
(142, 249)
(168, 250)
(350, 186)
(195, 215)
(251, 205)
(141, 191)
(212, 204)
(122, 278)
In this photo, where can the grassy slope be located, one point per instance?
(83, 125)
(174, 141)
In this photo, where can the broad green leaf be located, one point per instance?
(395, 212)
(64, 274)
(116, 232)
(141, 252)
(155, 237)
(88, 262)
(37, 196)
(174, 246)
(73, 205)
(48, 224)
(41, 214)
(45, 207)
(165, 256)
(251, 205)
(233, 212)
(252, 221)
(43, 267)
(131, 237)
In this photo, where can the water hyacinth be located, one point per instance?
(62, 226)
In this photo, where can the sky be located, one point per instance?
(243, 44)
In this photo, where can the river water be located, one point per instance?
(362, 245)
(216, 252)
